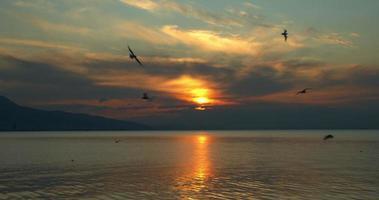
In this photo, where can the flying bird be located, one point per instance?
(327, 137)
(303, 91)
(133, 56)
(146, 97)
(285, 34)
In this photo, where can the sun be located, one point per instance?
(201, 96)
(201, 100)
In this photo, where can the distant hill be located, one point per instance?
(19, 118)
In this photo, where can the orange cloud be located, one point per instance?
(185, 88)
(184, 9)
(133, 30)
(189, 89)
(146, 59)
(198, 91)
(212, 41)
(142, 4)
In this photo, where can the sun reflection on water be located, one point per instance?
(202, 139)
(196, 178)
(202, 160)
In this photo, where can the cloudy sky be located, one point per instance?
(207, 64)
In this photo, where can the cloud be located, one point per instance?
(48, 26)
(251, 5)
(64, 56)
(35, 4)
(184, 9)
(58, 57)
(181, 87)
(330, 38)
(142, 4)
(177, 81)
(331, 96)
(34, 80)
(212, 41)
(337, 39)
(36, 43)
(202, 14)
(134, 30)
(354, 34)
(176, 60)
(50, 87)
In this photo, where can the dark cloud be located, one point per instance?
(28, 81)
(295, 64)
(38, 81)
(260, 81)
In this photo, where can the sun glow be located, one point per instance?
(201, 100)
(201, 97)
(201, 93)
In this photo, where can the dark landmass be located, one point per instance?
(14, 117)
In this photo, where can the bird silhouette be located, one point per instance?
(303, 91)
(146, 97)
(327, 137)
(133, 56)
(285, 34)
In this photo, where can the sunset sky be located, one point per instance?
(207, 64)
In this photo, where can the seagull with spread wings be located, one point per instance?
(133, 56)
(285, 34)
(303, 91)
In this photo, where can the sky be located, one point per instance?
(216, 64)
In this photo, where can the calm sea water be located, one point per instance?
(190, 165)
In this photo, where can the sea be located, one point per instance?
(280, 164)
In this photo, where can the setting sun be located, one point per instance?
(197, 91)
(201, 100)
(201, 97)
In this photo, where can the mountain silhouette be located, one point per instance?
(14, 117)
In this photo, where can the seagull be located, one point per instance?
(145, 96)
(327, 137)
(303, 91)
(133, 56)
(285, 34)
